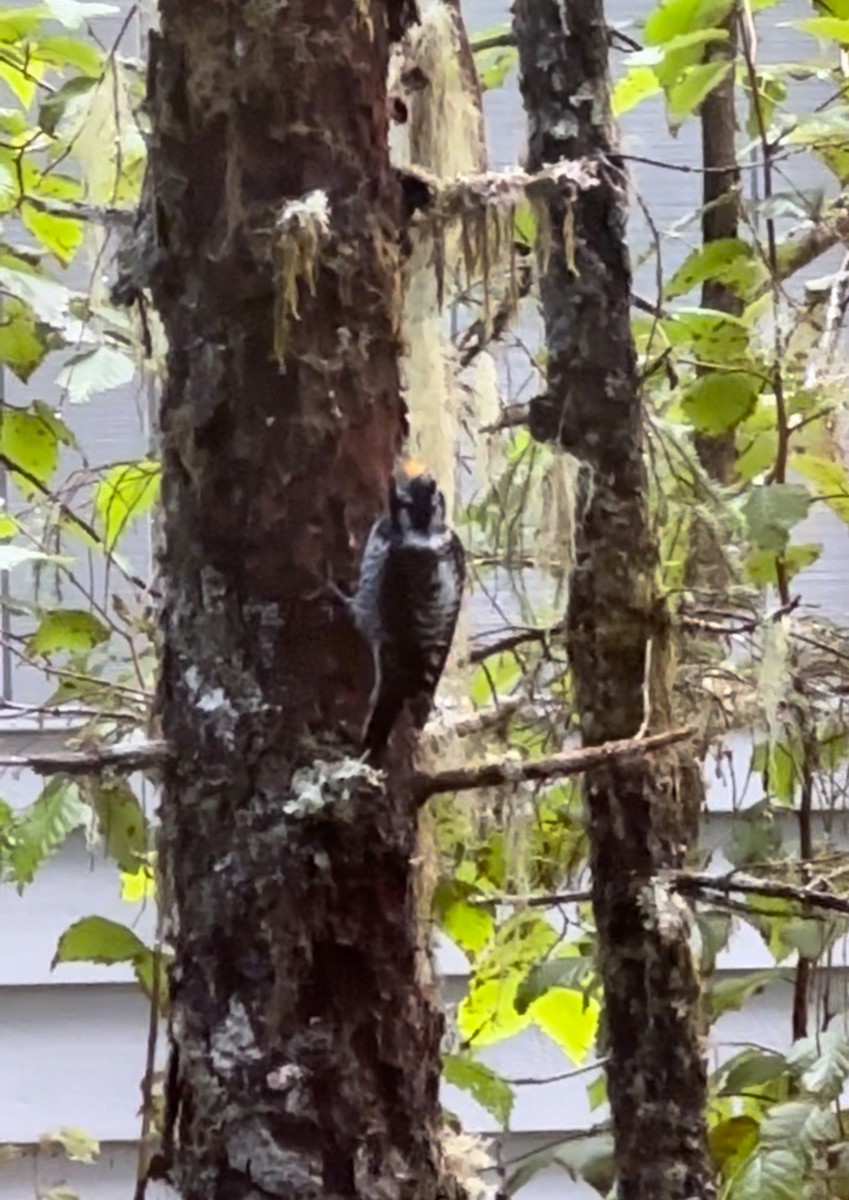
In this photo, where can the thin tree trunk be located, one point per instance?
(617, 635)
(305, 1054)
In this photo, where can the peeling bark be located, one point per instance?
(618, 636)
(305, 1054)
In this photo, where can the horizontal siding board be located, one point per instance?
(75, 1055)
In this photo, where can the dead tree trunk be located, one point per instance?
(617, 636)
(305, 1054)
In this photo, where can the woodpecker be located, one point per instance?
(407, 603)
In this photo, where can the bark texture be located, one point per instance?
(617, 629)
(305, 1054)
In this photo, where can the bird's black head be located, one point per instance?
(416, 505)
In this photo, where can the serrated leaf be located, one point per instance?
(47, 299)
(821, 1063)
(482, 1083)
(61, 235)
(727, 260)
(54, 106)
(636, 85)
(832, 29)
(720, 400)
(761, 565)
(121, 821)
(77, 1144)
(732, 1138)
(715, 338)
(751, 1068)
(555, 973)
(831, 478)
(672, 18)
(570, 1019)
(731, 992)
(800, 1123)
(127, 493)
(70, 629)
(99, 940)
(22, 346)
(139, 884)
(775, 1174)
(693, 87)
(469, 926)
(95, 371)
(494, 677)
(41, 829)
(30, 441)
(772, 511)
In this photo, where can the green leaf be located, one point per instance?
(761, 564)
(95, 371)
(62, 51)
(821, 1063)
(799, 1123)
(672, 18)
(22, 347)
(693, 87)
(127, 493)
(483, 1085)
(121, 821)
(720, 400)
(30, 441)
(470, 926)
(52, 109)
(755, 836)
(76, 1143)
(570, 1019)
(713, 337)
(732, 1138)
(494, 677)
(555, 973)
(99, 940)
(826, 28)
(597, 1091)
(494, 65)
(775, 1174)
(727, 260)
(731, 992)
(70, 629)
(60, 235)
(750, 1069)
(714, 928)
(771, 512)
(636, 85)
(48, 300)
(16, 556)
(829, 477)
(41, 829)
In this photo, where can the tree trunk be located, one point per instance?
(618, 630)
(305, 1055)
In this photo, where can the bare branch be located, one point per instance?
(126, 759)
(575, 762)
(688, 881)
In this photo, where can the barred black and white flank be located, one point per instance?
(406, 606)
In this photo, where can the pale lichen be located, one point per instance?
(302, 229)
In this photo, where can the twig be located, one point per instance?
(140, 757)
(575, 762)
(515, 416)
(512, 641)
(688, 881)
